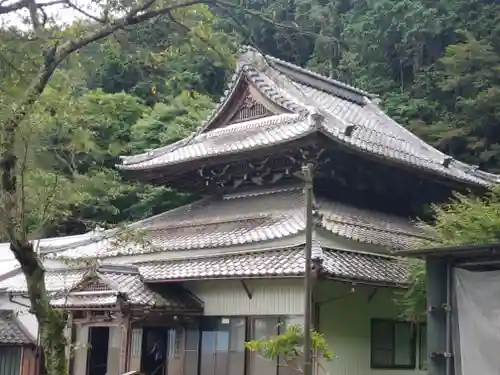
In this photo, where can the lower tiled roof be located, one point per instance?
(365, 267)
(254, 264)
(11, 331)
(260, 216)
(279, 263)
(102, 287)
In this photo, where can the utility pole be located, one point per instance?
(307, 171)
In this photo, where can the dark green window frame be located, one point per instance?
(375, 345)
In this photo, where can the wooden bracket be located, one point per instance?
(247, 290)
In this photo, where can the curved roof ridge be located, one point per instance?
(322, 77)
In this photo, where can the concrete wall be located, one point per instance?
(345, 321)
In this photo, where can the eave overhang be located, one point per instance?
(344, 114)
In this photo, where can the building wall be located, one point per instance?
(344, 320)
(29, 361)
(23, 315)
(269, 297)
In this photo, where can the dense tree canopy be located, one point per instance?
(435, 65)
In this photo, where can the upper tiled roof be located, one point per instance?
(318, 104)
(259, 216)
(11, 331)
(102, 286)
(279, 263)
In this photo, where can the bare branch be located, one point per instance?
(78, 9)
(200, 37)
(24, 4)
(133, 17)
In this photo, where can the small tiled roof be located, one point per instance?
(11, 331)
(347, 115)
(102, 286)
(279, 263)
(365, 267)
(258, 216)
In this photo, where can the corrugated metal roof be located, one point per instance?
(279, 263)
(258, 216)
(11, 331)
(374, 132)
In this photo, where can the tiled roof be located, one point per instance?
(279, 263)
(101, 287)
(260, 216)
(369, 226)
(308, 95)
(11, 331)
(365, 267)
(256, 264)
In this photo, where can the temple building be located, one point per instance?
(206, 277)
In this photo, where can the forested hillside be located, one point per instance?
(436, 66)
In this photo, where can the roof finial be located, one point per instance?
(349, 130)
(447, 161)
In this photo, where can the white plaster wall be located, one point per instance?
(269, 297)
(345, 322)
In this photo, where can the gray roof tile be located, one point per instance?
(258, 264)
(85, 288)
(341, 105)
(278, 263)
(259, 216)
(365, 267)
(11, 331)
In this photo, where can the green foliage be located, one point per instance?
(466, 219)
(289, 345)
(170, 121)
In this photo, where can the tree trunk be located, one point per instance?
(51, 322)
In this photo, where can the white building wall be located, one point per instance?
(345, 321)
(269, 297)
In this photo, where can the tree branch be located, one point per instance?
(73, 6)
(23, 4)
(131, 18)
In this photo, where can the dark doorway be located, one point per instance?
(154, 351)
(97, 360)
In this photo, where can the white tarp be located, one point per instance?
(477, 344)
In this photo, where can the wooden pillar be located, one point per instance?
(438, 317)
(124, 347)
(69, 342)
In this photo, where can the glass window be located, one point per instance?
(191, 351)
(260, 328)
(237, 346)
(423, 355)
(207, 366)
(392, 344)
(291, 367)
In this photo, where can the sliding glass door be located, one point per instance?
(222, 347)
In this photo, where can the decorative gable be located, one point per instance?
(91, 284)
(244, 102)
(249, 109)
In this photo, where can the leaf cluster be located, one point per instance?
(289, 345)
